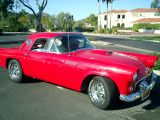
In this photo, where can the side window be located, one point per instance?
(29, 41)
(60, 44)
(41, 45)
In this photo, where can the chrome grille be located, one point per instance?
(146, 79)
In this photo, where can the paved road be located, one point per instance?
(38, 100)
(138, 44)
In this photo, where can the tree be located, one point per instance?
(92, 19)
(23, 20)
(107, 2)
(156, 5)
(6, 5)
(79, 24)
(111, 1)
(38, 15)
(31, 20)
(99, 14)
(62, 21)
(46, 22)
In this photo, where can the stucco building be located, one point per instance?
(124, 18)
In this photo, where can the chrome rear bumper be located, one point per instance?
(143, 87)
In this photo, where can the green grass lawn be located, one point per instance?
(157, 38)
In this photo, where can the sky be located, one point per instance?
(81, 9)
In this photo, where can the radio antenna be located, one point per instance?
(68, 39)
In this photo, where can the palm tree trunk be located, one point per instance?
(107, 15)
(110, 15)
(99, 14)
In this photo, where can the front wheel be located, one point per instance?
(102, 92)
(15, 71)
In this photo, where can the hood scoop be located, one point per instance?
(109, 52)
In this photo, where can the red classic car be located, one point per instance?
(71, 61)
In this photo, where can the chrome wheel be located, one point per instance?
(101, 91)
(14, 71)
(98, 92)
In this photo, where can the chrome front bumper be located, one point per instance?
(143, 87)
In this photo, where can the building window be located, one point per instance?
(123, 25)
(105, 17)
(118, 24)
(119, 16)
(105, 26)
(123, 16)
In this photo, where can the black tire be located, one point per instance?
(15, 71)
(102, 92)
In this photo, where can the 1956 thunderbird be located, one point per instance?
(71, 61)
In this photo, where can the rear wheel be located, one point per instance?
(15, 71)
(102, 92)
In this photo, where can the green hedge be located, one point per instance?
(88, 29)
(122, 28)
(112, 31)
(146, 26)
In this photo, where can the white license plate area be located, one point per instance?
(145, 94)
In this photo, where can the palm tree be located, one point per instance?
(107, 2)
(111, 1)
(99, 14)
(156, 5)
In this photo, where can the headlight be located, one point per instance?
(134, 77)
(155, 63)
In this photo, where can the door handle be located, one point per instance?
(26, 54)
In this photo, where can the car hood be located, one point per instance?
(109, 56)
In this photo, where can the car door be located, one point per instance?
(44, 66)
(41, 64)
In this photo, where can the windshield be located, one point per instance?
(76, 42)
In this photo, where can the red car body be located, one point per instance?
(74, 69)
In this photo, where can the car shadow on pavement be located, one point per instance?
(154, 100)
(154, 97)
(31, 80)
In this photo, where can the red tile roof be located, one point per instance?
(118, 11)
(147, 20)
(144, 10)
(135, 10)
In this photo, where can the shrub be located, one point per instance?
(17, 28)
(122, 28)
(101, 30)
(43, 29)
(145, 26)
(114, 30)
(88, 29)
(53, 29)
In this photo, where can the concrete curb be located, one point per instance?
(157, 72)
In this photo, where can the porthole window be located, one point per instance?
(28, 43)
